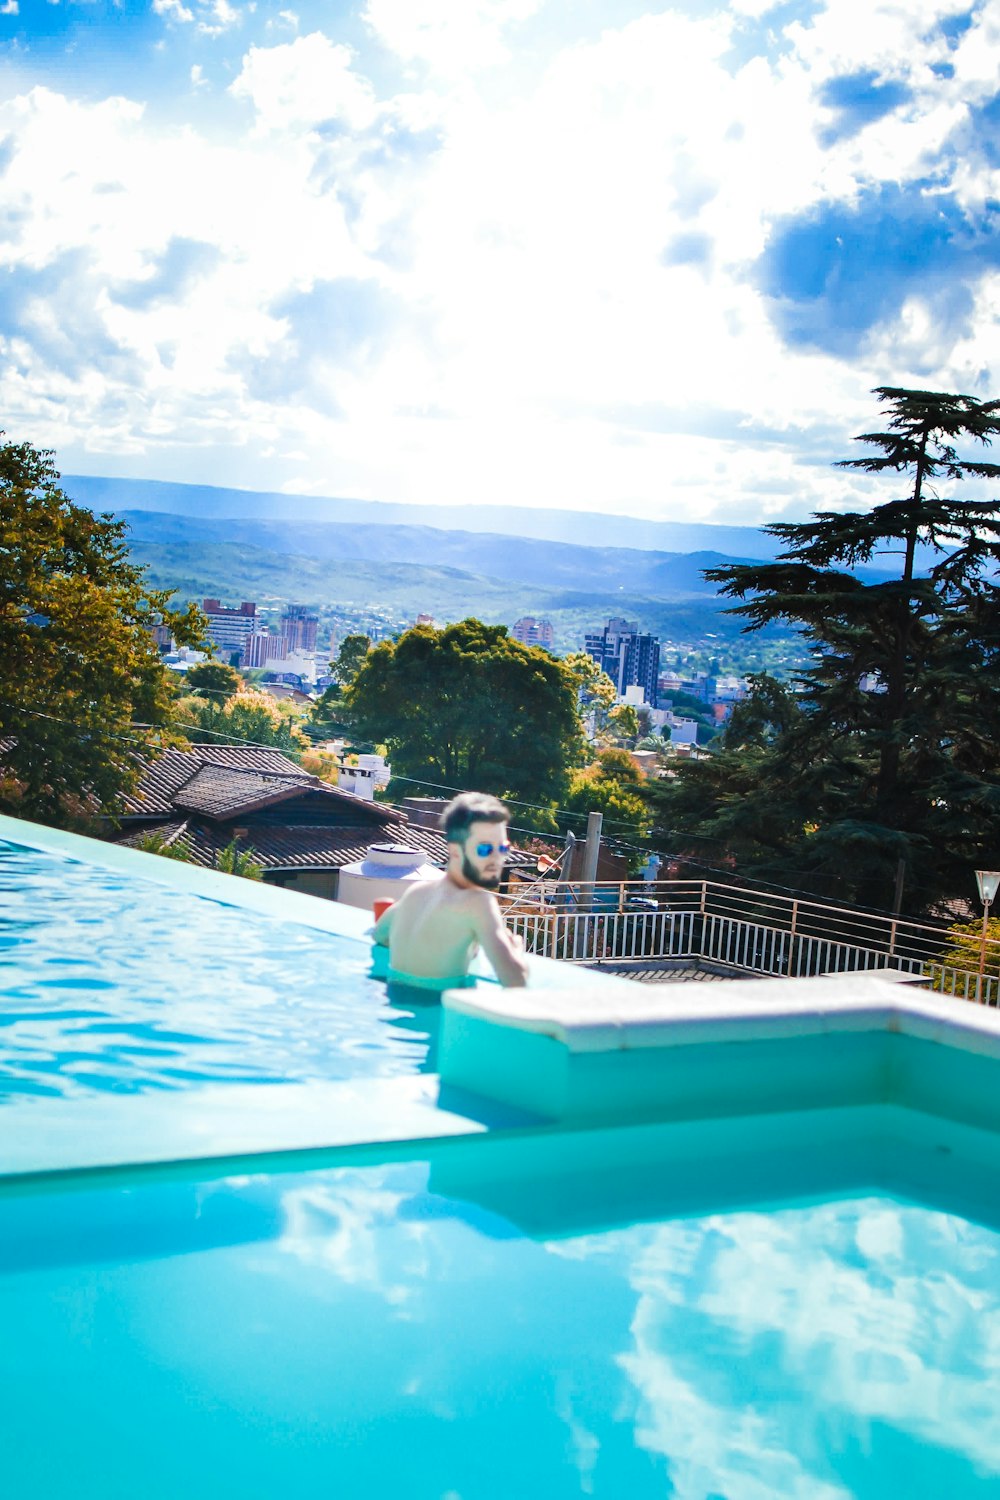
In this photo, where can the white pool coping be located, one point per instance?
(668, 1016)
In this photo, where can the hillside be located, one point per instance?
(584, 528)
(513, 562)
(395, 592)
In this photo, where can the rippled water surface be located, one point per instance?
(107, 982)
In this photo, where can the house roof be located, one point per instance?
(196, 797)
(218, 792)
(226, 781)
(308, 848)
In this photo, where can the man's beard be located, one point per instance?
(473, 876)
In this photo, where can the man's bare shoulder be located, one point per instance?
(482, 905)
(420, 890)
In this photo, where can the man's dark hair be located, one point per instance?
(467, 808)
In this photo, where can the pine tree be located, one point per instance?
(894, 755)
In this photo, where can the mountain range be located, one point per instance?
(372, 561)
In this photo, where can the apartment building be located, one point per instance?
(630, 657)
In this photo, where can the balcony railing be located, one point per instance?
(739, 930)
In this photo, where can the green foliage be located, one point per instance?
(623, 722)
(232, 860)
(215, 680)
(892, 750)
(468, 707)
(330, 716)
(156, 843)
(253, 718)
(609, 786)
(965, 952)
(351, 658)
(78, 666)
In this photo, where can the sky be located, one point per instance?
(591, 255)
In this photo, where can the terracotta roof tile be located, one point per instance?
(227, 780)
(308, 848)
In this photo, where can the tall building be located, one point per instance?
(229, 629)
(532, 632)
(630, 657)
(299, 625)
(260, 648)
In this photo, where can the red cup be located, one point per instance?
(381, 906)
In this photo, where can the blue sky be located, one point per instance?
(577, 253)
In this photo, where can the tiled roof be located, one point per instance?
(194, 797)
(216, 792)
(249, 758)
(308, 848)
(221, 781)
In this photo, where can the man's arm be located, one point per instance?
(504, 951)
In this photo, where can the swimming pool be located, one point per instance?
(354, 1284)
(228, 995)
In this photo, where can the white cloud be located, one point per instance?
(301, 84)
(9, 8)
(568, 259)
(173, 10)
(451, 36)
(218, 17)
(855, 1308)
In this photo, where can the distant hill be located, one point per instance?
(377, 565)
(197, 568)
(517, 562)
(584, 528)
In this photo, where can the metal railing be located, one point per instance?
(742, 930)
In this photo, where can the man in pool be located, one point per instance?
(434, 929)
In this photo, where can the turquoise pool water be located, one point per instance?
(112, 982)
(371, 1332)
(801, 1305)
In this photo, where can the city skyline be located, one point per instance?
(588, 256)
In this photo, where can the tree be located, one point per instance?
(351, 658)
(157, 842)
(609, 786)
(215, 680)
(469, 708)
(623, 722)
(78, 666)
(969, 949)
(890, 762)
(330, 715)
(595, 691)
(249, 717)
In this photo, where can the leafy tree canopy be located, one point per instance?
(249, 717)
(596, 693)
(215, 680)
(468, 707)
(78, 667)
(609, 786)
(623, 721)
(891, 750)
(351, 658)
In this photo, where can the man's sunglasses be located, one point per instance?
(485, 850)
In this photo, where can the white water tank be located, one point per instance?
(386, 870)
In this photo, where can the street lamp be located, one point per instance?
(988, 882)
